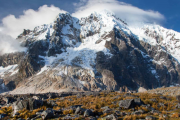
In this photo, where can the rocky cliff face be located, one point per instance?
(10, 59)
(100, 52)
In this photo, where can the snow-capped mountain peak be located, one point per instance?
(97, 52)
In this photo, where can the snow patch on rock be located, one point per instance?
(8, 69)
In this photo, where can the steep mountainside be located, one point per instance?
(100, 52)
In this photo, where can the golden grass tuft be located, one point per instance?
(175, 115)
(6, 110)
(65, 112)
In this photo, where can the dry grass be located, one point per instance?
(65, 112)
(97, 102)
(175, 115)
(134, 117)
(6, 110)
(161, 118)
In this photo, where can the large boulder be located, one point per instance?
(178, 105)
(111, 117)
(150, 118)
(79, 111)
(141, 90)
(138, 101)
(2, 116)
(29, 104)
(34, 104)
(107, 110)
(178, 98)
(47, 114)
(19, 105)
(52, 103)
(88, 113)
(8, 99)
(129, 103)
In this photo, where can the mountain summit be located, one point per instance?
(99, 52)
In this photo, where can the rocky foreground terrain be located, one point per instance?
(105, 105)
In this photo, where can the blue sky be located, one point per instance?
(169, 8)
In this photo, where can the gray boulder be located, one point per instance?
(178, 105)
(47, 114)
(29, 104)
(52, 103)
(161, 104)
(79, 111)
(155, 111)
(106, 107)
(111, 117)
(162, 97)
(88, 113)
(69, 117)
(57, 112)
(34, 104)
(178, 97)
(74, 107)
(107, 110)
(139, 112)
(8, 99)
(149, 118)
(20, 119)
(19, 105)
(129, 103)
(2, 116)
(138, 101)
(38, 113)
(153, 100)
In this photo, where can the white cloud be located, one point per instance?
(9, 45)
(131, 14)
(14, 26)
(81, 3)
(46, 14)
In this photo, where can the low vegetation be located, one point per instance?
(160, 107)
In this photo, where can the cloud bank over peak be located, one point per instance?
(13, 26)
(44, 15)
(9, 45)
(131, 14)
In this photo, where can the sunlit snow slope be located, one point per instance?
(98, 52)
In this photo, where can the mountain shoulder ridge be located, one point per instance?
(99, 52)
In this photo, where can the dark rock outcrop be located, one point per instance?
(30, 65)
(132, 63)
(11, 58)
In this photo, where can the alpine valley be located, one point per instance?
(99, 52)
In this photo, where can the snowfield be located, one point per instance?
(83, 53)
